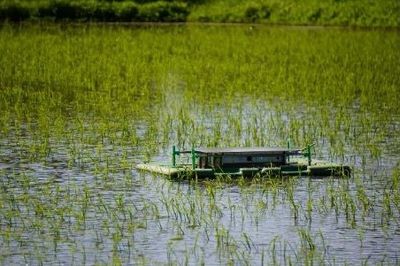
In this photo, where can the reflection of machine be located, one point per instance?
(208, 162)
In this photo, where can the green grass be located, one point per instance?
(82, 104)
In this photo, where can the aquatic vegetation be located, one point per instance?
(81, 105)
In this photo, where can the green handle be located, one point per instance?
(174, 152)
(193, 158)
(308, 153)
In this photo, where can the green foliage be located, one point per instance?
(127, 11)
(309, 12)
(14, 11)
(72, 10)
(105, 11)
(123, 11)
(90, 11)
(384, 13)
(163, 11)
(255, 13)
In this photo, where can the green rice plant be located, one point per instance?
(306, 237)
(82, 105)
(387, 212)
(362, 196)
(293, 204)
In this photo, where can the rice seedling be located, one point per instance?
(82, 105)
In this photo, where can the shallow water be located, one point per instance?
(97, 100)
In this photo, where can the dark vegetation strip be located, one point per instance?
(124, 11)
(384, 13)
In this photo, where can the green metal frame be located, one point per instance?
(308, 153)
(193, 153)
(174, 153)
(177, 152)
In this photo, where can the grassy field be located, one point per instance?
(81, 105)
(359, 13)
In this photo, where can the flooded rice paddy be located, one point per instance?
(81, 105)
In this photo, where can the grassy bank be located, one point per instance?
(384, 13)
